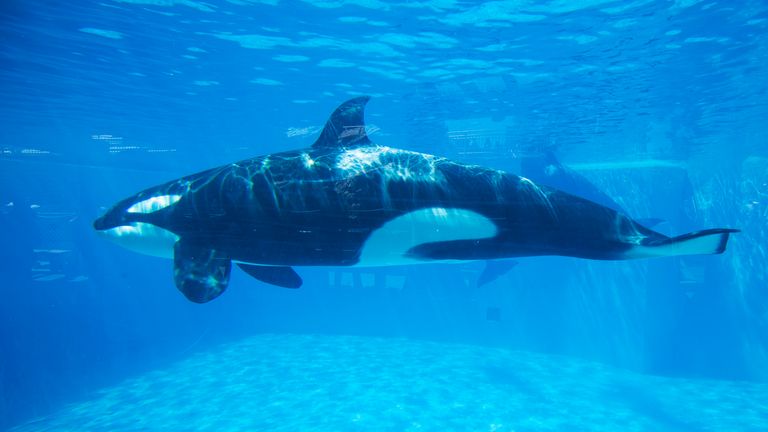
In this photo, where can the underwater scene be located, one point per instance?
(368, 215)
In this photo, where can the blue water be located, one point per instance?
(660, 105)
(364, 383)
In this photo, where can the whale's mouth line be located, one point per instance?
(118, 230)
(109, 221)
(133, 228)
(101, 225)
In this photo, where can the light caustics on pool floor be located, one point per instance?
(338, 383)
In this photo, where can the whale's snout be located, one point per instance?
(100, 224)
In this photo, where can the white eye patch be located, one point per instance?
(153, 204)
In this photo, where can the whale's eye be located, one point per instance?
(153, 204)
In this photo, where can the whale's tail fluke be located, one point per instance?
(706, 242)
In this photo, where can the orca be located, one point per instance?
(347, 201)
(546, 169)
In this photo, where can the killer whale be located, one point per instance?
(546, 169)
(347, 201)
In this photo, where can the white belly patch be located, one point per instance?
(388, 245)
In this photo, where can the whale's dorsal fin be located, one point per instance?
(346, 126)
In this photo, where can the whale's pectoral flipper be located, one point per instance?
(495, 269)
(707, 242)
(200, 273)
(284, 277)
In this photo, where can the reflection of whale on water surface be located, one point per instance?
(349, 202)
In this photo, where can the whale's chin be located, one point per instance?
(144, 238)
